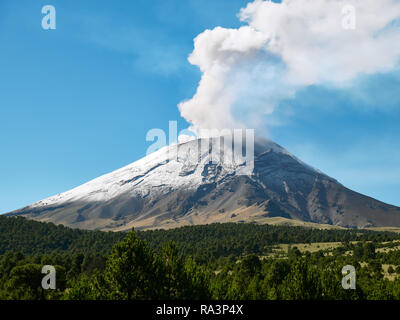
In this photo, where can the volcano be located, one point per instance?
(164, 191)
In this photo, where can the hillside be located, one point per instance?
(219, 261)
(179, 185)
(32, 237)
(29, 237)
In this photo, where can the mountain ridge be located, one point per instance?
(180, 185)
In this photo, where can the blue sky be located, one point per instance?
(77, 102)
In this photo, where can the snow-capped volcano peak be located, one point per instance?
(203, 181)
(175, 166)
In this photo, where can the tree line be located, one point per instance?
(172, 264)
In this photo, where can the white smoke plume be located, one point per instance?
(283, 47)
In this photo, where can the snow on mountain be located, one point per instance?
(180, 184)
(176, 166)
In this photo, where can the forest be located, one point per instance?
(217, 261)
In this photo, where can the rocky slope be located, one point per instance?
(177, 185)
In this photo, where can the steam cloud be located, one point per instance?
(281, 48)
